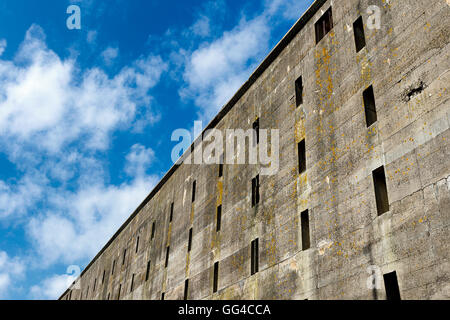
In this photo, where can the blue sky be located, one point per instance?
(86, 116)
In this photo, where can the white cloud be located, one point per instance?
(10, 270)
(138, 160)
(288, 9)
(4, 283)
(52, 287)
(17, 199)
(56, 122)
(3, 44)
(109, 55)
(83, 221)
(91, 37)
(201, 27)
(45, 101)
(217, 69)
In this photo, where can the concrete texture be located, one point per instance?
(411, 139)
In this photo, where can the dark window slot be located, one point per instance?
(391, 286)
(190, 240)
(167, 256)
(219, 218)
(186, 289)
(147, 272)
(132, 283)
(255, 191)
(358, 30)
(221, 161)
(381, 195)
(137, 244)
(301, 156)
(305, 230)
(216, 276)
(369, 106)
(153, 230)
(256, 132)
(299, 91)
(171, 212)
(194, 185)
(324, 25)
(255, 256)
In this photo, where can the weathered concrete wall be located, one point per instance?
(411, 139)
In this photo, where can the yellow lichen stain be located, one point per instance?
(303, 180)
(169, 232)
(220, 192)
(188, 259)
(299, 131)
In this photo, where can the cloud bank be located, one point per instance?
(56, 126)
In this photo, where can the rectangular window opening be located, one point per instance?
(255, 256)
(190, 240)
(95, 284)
(118, 295)
(124, 256)
(391, 286)
(171, 212)
(219, 218)
(194, 185)
(147, 272)
(186, 289)
(301, 156)
(305, 230)
(255, 191)
(220, 170)
(153, 230)
(369, 106)
(113, 266)
(132, 283)
(221, 161)
(324, 25)
(358, 30)
(167, 256)
(299, 91)
(216, 276)
(103, 276)
(137, 244)
(162, 296)
(381, 195)
(256, 132)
